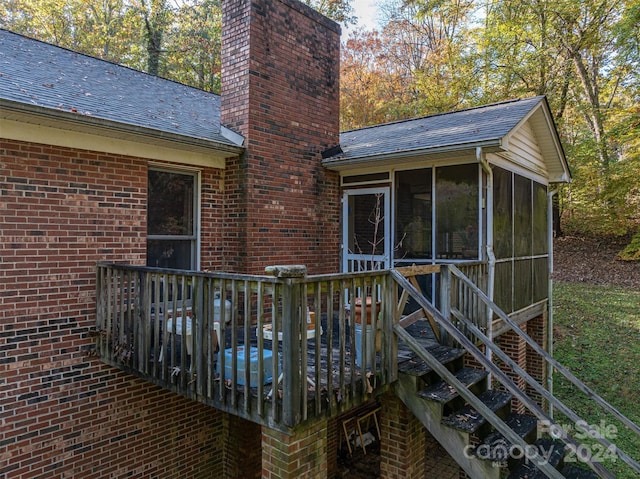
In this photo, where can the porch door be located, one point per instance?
(366, 241)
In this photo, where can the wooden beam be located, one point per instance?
(411, 318)
(415, 270)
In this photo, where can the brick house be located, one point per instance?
(125, 197)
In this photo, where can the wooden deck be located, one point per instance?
(142, 311)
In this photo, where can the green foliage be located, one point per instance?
(597, 336)
(632, 251)
(339, 10)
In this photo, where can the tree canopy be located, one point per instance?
(429, 56)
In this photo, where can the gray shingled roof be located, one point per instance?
(456, 130)
(43, 75)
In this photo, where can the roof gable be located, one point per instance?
(488, 126)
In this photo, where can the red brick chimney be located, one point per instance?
(280, 90)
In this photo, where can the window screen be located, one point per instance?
(171, 219)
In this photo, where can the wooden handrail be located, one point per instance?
(470, 347)
(462, 339)
(472, 399)
(548, 358)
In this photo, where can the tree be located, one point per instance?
(193, 46)
(339, 10)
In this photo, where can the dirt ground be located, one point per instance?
(593, 260)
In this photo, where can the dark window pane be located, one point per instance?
(457, 212)
(170, 203)
(523, 283)
(523, 216)
(504, 286)
(367, 213)
(502, 213)
(540, 237)
(174, 254)
(540, 279)
(413, 214)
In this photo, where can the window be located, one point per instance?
(172, 234)
(456, 203)
(457, 212)
(520, 240)
(413, 214)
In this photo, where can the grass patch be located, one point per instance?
(597, 336)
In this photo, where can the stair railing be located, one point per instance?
(480, 356)
(452, 269)
(550, 471)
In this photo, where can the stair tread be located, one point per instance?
(495, 447)
(553, 451)
(573, 472)
(442, 392)
(415, 366)
(468, 419)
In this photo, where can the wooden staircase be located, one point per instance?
(472, 422)
(470, 439)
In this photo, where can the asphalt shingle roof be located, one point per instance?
(461, 129)
(47, 76)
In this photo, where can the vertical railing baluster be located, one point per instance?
(317, 354)
(100, 310)
(108, 332)
(276, 366)
(208, 344)
(260, 345)
(117, 323)
(234, 345)
(445, 298)
(291, 353)
(199, 324)
(247, 346)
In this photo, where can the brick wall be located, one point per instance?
(280, 89)
(64, 413)
(402, 442)
(536, 366)
(242, 448)
(292, 456)
(516, 348)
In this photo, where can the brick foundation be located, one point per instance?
(242, 448)
(302, 454)
(515, 348)
(403, 441)
(537, 328)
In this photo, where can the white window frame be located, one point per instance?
(197, 188)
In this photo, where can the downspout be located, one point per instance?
(491, 259)
(550, 194)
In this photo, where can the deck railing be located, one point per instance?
(245, 343)
(276, 349)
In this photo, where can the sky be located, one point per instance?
(365, 10)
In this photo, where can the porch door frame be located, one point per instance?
(351, 258)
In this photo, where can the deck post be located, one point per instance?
(445, 300)
(293, 369)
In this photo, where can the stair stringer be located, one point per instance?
(429, 413)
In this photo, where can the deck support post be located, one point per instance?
(403, 450)
(293, 369)
(303, 453)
